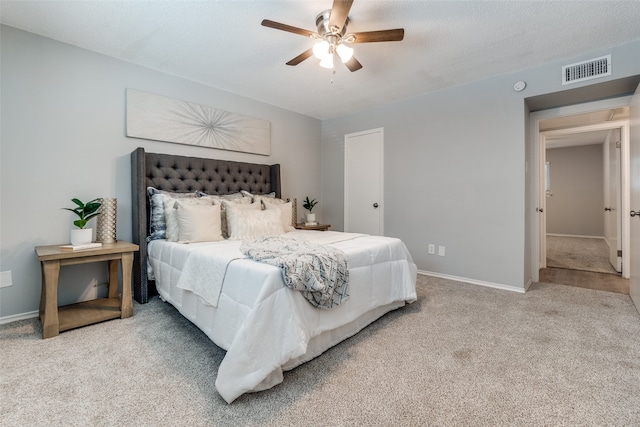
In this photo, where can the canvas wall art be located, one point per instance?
(160, 118)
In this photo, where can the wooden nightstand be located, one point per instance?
(54, 319)
(319, 227)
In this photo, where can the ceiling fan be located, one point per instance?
(333, 37)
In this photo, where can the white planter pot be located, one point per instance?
(311, 217)
(81, 236)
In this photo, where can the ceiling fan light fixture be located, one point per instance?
(327, 61)
(332, 36)
(321, 49)
(344, 52)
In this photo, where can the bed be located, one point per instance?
(265, 326)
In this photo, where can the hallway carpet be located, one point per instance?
(579, 253)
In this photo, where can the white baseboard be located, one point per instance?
(474, 281)
(575, 235)
(16, 317)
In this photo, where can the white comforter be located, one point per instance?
(266, 327)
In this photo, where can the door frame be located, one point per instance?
(538, 196)
(613, 138)
(379, 131)
(634, 180)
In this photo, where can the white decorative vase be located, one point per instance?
(81, 236)
(311, 217)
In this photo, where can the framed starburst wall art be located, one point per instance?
(165, 119)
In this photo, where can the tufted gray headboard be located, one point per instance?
(186, 174)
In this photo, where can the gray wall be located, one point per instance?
(576, 206)
(455, 161)
(63, 136)
(456, 170)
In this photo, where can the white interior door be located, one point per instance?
(612, 210)
(363, 180)
(634, 154)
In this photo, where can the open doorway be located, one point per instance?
(582, 176)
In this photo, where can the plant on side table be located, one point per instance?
(85, 212)
(309, 205)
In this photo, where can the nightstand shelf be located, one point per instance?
(85, 313)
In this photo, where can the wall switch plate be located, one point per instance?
(441, 250)
(432, 248)
(5, 279)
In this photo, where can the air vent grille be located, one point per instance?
(586, 70)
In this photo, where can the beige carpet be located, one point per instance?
(579, 253)
(462, 355)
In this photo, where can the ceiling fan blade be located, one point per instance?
(353, 64)
(395, 35)
(289, 28)
(339, 13)
(298, 59)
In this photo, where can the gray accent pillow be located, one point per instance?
(157, 223)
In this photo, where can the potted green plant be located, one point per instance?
(85, 212)
(309, 205)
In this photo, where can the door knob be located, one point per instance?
(375, 205)
(539, 210)
(607, 209)
(635, 213)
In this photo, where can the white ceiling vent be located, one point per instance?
(586, 70)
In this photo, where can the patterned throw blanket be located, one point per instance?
(318, 271)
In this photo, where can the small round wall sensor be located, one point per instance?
(519, 86)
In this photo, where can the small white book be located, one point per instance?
(80, 247)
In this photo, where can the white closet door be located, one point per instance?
(363, 180)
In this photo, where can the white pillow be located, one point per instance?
(235, 204)
(286, 212)
(213, 200)
(251, 224)
(171, 216)
(198, 223)
(231, 196)
(257, 198)
(245, 193)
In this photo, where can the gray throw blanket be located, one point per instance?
(318, 271)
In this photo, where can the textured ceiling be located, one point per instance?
(222, 44)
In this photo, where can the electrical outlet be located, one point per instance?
(5, 279)
(441, 250)
(432, 248)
